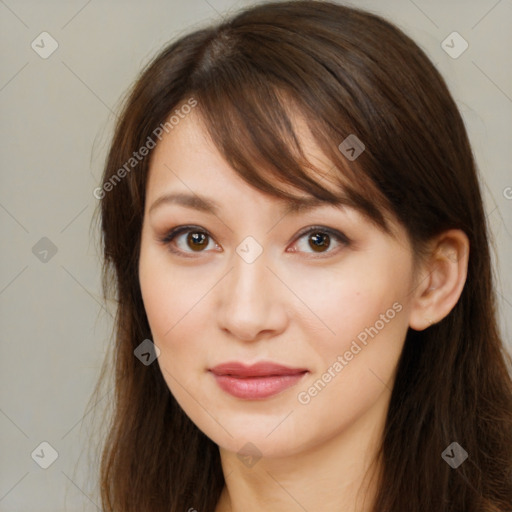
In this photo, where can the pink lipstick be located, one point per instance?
(257, 381)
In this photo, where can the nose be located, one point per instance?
(251, 301)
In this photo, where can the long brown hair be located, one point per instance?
(347, 72)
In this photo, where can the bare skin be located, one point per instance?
(293, 306)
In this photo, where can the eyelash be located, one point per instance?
(173, 233)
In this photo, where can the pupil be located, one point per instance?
(197, 239)
(319, 241)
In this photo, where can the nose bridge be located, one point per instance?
(249, 280)
(249, 303)
(250, 273)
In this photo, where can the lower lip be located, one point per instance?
(255, 388)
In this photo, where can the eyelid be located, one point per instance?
(173, 233)
(323, 229)
(178, 230)
(339, 236)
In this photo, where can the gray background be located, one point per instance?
(57, 119)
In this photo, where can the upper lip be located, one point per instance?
(263, 369)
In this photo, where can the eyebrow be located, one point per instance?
(207, 205)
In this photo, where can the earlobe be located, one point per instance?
(443, 276)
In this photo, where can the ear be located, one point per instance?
(440, 279)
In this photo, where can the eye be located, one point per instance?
(319, 239)
(198, 240)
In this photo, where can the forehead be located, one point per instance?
(188, 157)
(189, 171)
(187, 168)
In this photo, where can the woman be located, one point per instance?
(293, 227)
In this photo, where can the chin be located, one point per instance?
(257, 442)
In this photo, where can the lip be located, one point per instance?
(258, 381)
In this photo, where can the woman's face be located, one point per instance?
(248, 283)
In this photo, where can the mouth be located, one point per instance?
(258, 381)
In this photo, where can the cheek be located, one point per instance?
(174, 300)
(166, 291)
(343, 304)
(364, 314)
(327, 310)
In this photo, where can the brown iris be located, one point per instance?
(199, 240)
(320, 241)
